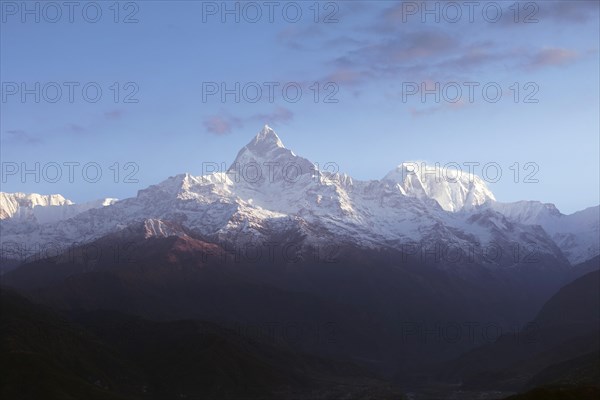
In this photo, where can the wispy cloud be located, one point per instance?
(297, 37)
(552, 57)
(345, 76)
(418, 45)
(570, 11)
(395, 46)
(222, 124)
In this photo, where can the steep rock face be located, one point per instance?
(270, 193)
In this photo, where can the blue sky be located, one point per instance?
(156, 119)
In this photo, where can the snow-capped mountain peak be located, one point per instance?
(266, 160)
(14, 204)
(44, 208)
(265, 146)
(265, 140)
(453, 189)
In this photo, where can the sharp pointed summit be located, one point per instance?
(266, 139)
(265, 145)
(267, 151)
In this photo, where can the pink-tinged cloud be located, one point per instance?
(553, 57)
(344, 76)
(222, 125)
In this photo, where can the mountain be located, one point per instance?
(454, 190)
(43, 209)
(271, 192)
(576, 234)
(11, 204)
(559, 347)
(108, 355)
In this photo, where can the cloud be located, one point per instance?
(345, 76)
(296, 38)
(411, 48)
(342, 41)
(388, 47)
(570, 11)
(19, 136)
(394, 17)
(552, 57)
(223, 123)
(474, 56)
(420, 55)
(409, 54)
(414, 46)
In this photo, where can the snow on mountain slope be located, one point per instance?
(59, 213)
(43, 209)
(528, 212)
(161, 229)
(452, 189)
(269, 193)
(21, 204)
(577, 234)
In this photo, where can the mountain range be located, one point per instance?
(271, 192)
